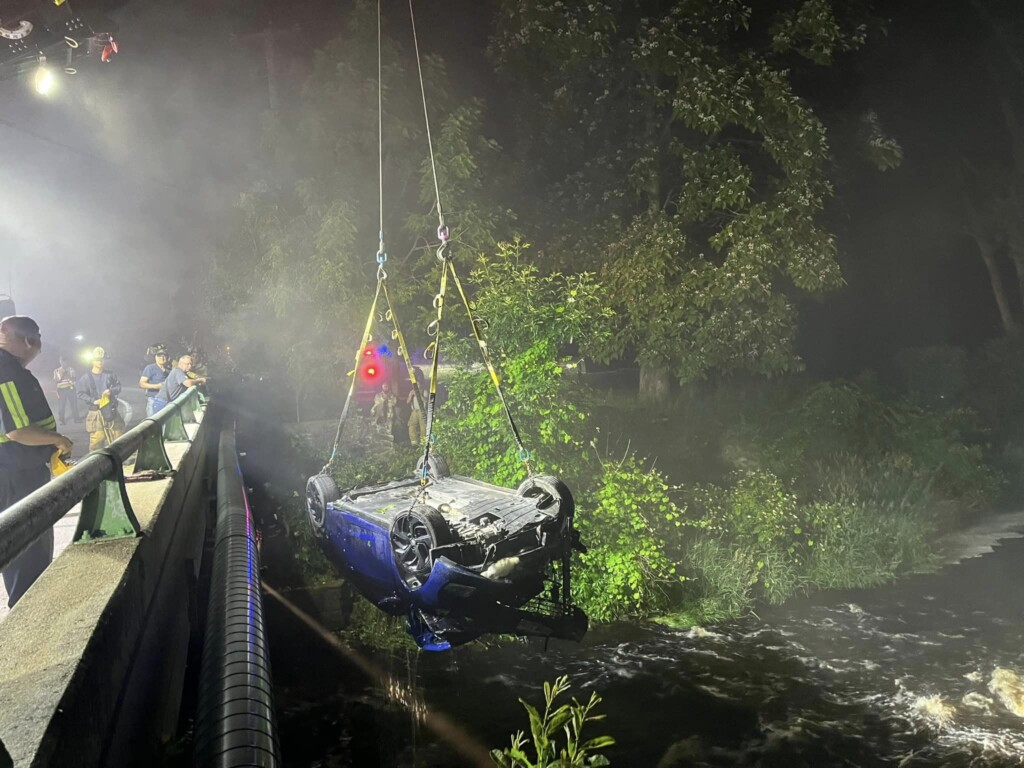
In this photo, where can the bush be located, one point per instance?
(763, 524)
(871, 522)
(626, 526)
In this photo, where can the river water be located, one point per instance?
(920, 673)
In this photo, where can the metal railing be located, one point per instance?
(98, 482)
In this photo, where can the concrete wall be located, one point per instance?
(93, 657)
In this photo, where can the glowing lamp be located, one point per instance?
(44, 81)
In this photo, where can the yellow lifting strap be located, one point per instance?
(524, 454)
(397, 334)
(364, 339)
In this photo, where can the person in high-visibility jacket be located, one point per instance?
(64, 377)
(28, 438)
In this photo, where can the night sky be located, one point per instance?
(114, 204)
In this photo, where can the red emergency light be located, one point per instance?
(369, 370)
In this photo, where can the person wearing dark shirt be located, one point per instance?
(177, 381)
(28, 438)
(100, 388)
(153, 375)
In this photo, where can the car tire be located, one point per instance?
(437, 467)
(414, 535)
(321, 490)
(553, 490)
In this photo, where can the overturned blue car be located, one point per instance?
(457, 557)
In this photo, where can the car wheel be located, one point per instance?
(437, 467)
(414, 535)
(551, 490)
(320, 491)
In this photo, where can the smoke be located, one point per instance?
(119, 184)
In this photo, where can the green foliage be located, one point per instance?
(547, 730)
(367, 625)
(627, 526)
(379, 465)
(764, 525)
(529, 318)
(871, 522)
(721, 583)
(684, 168)
(314, 567)
(839, 418)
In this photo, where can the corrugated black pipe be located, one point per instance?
(235, 725)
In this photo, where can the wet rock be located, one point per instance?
(1009, 689)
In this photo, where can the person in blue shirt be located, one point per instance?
(28, 438)
(153, 375)
(100, 388)
(177, 381)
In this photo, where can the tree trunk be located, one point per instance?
(994, 276)
(654, 383)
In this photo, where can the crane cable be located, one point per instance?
(382, 258)
(434, 329)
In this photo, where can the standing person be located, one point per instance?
(27, 443)
(417, 419)
(100, 388)
(64, 376)
(383, 410)
(153, 376)
(177, 381)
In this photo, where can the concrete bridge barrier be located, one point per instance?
(93, 657)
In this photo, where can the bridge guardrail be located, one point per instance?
(98, 482)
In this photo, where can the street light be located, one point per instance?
(79, 337)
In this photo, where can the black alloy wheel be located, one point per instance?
(320, 491)
(414, 536)
(437, 467)
(551, 491)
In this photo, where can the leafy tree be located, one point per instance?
(681, 165)
(529, 319)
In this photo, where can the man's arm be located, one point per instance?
(114, 385)
(15, 424)
(32, 435)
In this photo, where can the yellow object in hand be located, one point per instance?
(59, 463)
